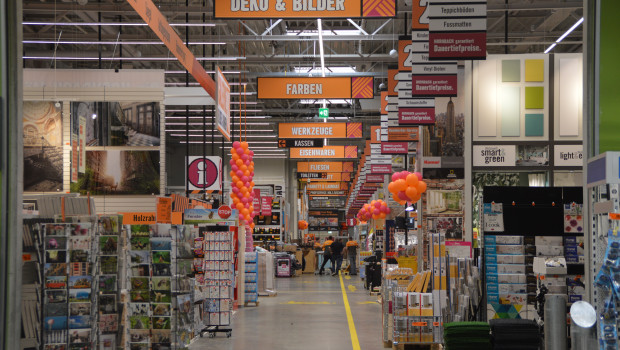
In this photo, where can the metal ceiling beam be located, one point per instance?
(536, 6)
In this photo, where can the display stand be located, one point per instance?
(268, 228)
(251, 278)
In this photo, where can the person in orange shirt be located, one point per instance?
(351, 253)
(327, 254)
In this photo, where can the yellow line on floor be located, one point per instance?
(354, 340)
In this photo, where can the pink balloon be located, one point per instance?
(419, 175)
(388, 210)
(403, 196)
(404, 174)
(240, 151)
(244, 200)
(245, 157)
(247, 162)
(235, 190)
(251, 153)
(378, 204)
(245, 179)
(239, 173)
(252, 174)
(236, 144)
(395, 176)
(232, 162)
(234, 167)
(376, 211)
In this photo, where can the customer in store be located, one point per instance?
(337, 248)
(327, 254)
(351, 253)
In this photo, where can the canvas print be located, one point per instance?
(79, 309)
(55, 323)
(139, 243)
(139, 309)
(81, 229)
(56, 230)
(161, 230)
(140, 230)
(451, 227)
(109, 264)
(139, 322)
(80, 256)
(160, 309)
(107, 283)
(161, 257)
(139, 296)
(445, 201)
(108, 244)
(107, 342)
(80, 282)
(52, 337)
(140, 270)
(161, 322)
(79, 295)
(56, 282)
(119, 172)
(79, 268)
(107, 303)
(160, 296)
(79, 243)
(79, 336)
(139, 283)
(42, 135)
(55, 310)
(161, 269)
(160, 336)
(118, 123)
(109, 225)
(55, 242)
(528, 155)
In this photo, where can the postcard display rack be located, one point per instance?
(215, 276)
(251, 278)
(70, 263)
(521, 224)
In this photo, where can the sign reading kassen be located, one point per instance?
(302, 88)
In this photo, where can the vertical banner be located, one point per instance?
(204, 173)
(256, 202)
(223, 105)
(82, 141)
(458, 29)
(164, 210)
(75, 159)
(265, 205)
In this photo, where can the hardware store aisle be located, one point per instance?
(307, 314)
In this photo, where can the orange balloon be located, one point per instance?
(382, 216)
(239, 162)
(401, 185)
(375, 216)
(251, 168)
(246, 151)
(247, 194)
(391, 187)
(421, 186)
(412, 180)
(239, 184)
(245, 212)
(411, 192)
(239, 206)
(395, 198)
(251, 183)
(235, 179)
(244, 190)
(236, 200)
(235, 156)
(246, 173)
(243, 168)
(244, 145)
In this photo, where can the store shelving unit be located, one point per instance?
(269, 228)
(251, 278)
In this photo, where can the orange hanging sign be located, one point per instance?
(139, 218)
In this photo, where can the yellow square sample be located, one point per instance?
(534, 70)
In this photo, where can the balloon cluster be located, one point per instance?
(242, 173)
(376, 209)
(406, 187)
(302, 224)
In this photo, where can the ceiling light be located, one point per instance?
(115, 24)
(393, 53)
(94, 116)
(69, 58)
(570, 30)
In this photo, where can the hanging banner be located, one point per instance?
(82, 144)
(204, 173)
(265, 205)
(325, 167)
(164, 210)
(457, 29)
(75, 158)
(314, 88)
(394, 147)
(324, 152)
(160, 26)
(242, 9)
(223, 105)
(381, 168)
(416, 112)
(287, 143)
(331, 177)
(318, 130)
(403, 133)
(256, 202)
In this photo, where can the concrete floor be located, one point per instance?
(307, 314)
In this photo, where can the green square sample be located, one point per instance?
(511, 71)
(534, 124)
(534, 97)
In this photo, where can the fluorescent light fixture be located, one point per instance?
(311, 32)
(330, 69)
(570, 30)
(113, 24)
(128, 58)
(120, 42)
(208, 71)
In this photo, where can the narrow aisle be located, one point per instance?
(308, 313)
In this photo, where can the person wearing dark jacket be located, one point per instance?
(337, 248)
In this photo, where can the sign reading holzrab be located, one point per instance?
(304, 8)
